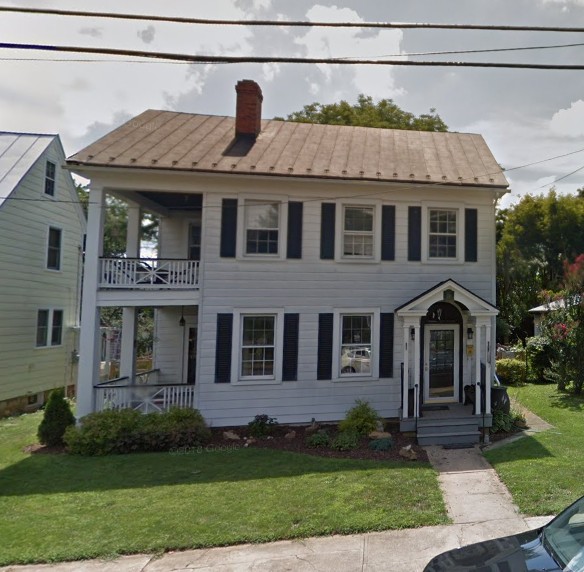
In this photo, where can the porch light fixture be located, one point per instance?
(182, 322)
(469, 334)
(412, 334)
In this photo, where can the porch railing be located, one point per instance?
(148, 273)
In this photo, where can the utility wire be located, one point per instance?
(262, 60)
(289, 23)
(404, 54)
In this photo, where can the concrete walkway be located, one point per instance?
(478, 504)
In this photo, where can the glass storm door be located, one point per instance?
(441, 357)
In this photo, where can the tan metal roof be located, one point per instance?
(182, 141)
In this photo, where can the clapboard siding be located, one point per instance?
(306, 287)
(26, 285)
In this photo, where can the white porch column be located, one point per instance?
(406, 383)
(488, 368)
(417, 348)
(90, 339)
(478, 389)
(127, 351)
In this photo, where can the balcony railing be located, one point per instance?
(143, 397)
(148, 273)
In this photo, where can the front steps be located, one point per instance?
(449, 430)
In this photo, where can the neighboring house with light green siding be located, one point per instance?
(41, 238)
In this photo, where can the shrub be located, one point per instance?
(320, 439)
(540, 353)
(57, 418)
(360, 419)
(511, 371)
(261, 425)
(383, 444)
(346, 441)
(127, 431)
(502, 422)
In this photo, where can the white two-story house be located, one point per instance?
(41, 239)
(300, 267)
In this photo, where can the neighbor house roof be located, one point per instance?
(175, 141)
(18, 153)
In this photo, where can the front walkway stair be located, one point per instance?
(458, 428)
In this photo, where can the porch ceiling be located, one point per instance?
(419, 305)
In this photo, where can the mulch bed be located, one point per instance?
(277, 440)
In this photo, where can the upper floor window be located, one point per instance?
(358, 231)
(195, 241)
(50, 175)
(262, 224)
(54, 249)
(442, 233)
(49, 328)
(258, 346)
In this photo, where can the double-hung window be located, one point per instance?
(50, 176)
(258, 346)
(49, 330)
(442, 233)
(54, 248)
(262, 227)
(356, 346)
(358, 231)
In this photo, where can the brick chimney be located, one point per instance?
(248, 114)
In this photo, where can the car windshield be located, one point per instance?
(564, 537)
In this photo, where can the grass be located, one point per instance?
(545, 472)
(60, 507)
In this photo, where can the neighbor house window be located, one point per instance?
(356, 344)
(442, 231)
(358, 231)
(54, 249)
(258, 346)
(49, 328)
(50, 174)
(262, 222)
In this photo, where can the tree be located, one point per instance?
(366, 113)
(57, 418)
(534, 238)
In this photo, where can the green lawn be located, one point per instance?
(545, 472)
(59, 507)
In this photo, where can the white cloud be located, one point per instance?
(569, 121)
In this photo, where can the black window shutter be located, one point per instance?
(386, 345)
(327, 231)
(414, 233)
(470, 235)
(324, 368)
(294, 246)
(290, 361)
(223, 348)
(228, 228)
(388, 232)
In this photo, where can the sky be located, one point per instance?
(526, 116)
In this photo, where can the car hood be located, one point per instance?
(520, 553)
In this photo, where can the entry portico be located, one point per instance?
(447, 345)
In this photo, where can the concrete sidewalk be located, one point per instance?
(478, 504)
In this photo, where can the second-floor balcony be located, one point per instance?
(148, 274)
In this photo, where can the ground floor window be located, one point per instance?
(258, 346)
(49, 330)
(356, 344)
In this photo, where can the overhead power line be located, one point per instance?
(202, 59)
(288, 23)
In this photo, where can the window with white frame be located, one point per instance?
(356, 347)
(49, 331)
(258, 346)
(54, 248)
(262, 227)
(442, 233)
(358, 231)
(50, 176)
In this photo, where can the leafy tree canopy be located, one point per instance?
(366, 113)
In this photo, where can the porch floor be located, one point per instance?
(452, 410)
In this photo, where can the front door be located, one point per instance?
(441, 363)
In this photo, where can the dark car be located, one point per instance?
(556, 547)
